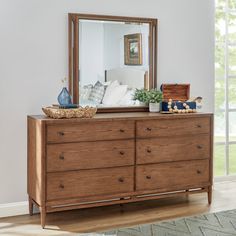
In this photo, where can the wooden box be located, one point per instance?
(179, 93)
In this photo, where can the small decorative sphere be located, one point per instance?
(170, 100)
(170, 110)
(169, 103)
(183, 111)
(194, 110)
(175, 107)
(187, 111)
(184, 104)
(190, 110)
(187, 107)
(179, 111)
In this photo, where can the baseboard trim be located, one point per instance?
(14, 209)
(218, 179)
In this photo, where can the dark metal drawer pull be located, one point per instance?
(122, 152)
(199, 126)
(149, 150)
(149, 129)
(122, 131)
(199, 146)
(61, 133)
(61, 186)
(148, 177)
(199, 172)
(121, 179)
(61, 157)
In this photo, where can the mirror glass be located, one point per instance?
(113, 62)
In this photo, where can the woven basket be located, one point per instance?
(81, 112)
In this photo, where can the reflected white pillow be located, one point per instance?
(109, 90)
(127, 99)
(114, 94)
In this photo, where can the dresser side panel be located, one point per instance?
(211, 148)
(36, 169)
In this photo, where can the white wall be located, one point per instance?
(114, 41)
(33, 60)
(91, 53)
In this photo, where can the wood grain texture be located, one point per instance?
(90, 182)
(36, 169)
(91, 132)
(127, 116)
(74, 84)
(164, 149)
(70, 53)
(164, 128)
(82, 158)
(111, 217)
(90, 155)
(155, 63)
(176, 92)
(173, 176)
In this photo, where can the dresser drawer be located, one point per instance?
(172, 127)
(91, 131)
(165, 149)
(173, 176)
(89, 155)
(90, 182)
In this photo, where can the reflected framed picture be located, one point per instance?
(133, 49)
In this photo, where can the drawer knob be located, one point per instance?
(149, 150)
(199, 172)
(122, 153)
(148, 177)
(121, 180)
(61, 157)
(199, 146)
(149, 129)
(61, 133)
(199, 126)
(61, 186)
(122, 131)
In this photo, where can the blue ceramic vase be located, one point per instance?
(64, 97)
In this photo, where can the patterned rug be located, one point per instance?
(216, 224)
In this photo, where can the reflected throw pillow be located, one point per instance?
(97, 93)
(85, 91)
(114, 94)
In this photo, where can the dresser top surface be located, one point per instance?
(121, 116)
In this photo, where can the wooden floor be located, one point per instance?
(105, 218)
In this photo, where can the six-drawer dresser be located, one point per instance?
(117, 158)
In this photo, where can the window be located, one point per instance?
(225, 88)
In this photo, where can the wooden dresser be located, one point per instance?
(117, 158)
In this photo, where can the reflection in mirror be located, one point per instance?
(113, 62)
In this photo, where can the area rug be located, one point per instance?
(215, 224)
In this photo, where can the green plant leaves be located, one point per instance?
(148, 96)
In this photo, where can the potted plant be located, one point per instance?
(141, 96)
(154, 97)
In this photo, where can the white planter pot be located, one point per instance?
(154, 107)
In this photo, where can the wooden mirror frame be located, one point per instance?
(73, 51)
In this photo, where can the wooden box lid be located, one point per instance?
(176, 92)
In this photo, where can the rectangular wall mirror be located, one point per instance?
(110, 57)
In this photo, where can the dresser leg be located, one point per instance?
(209, 193)
(31, 206)
(42, 216)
